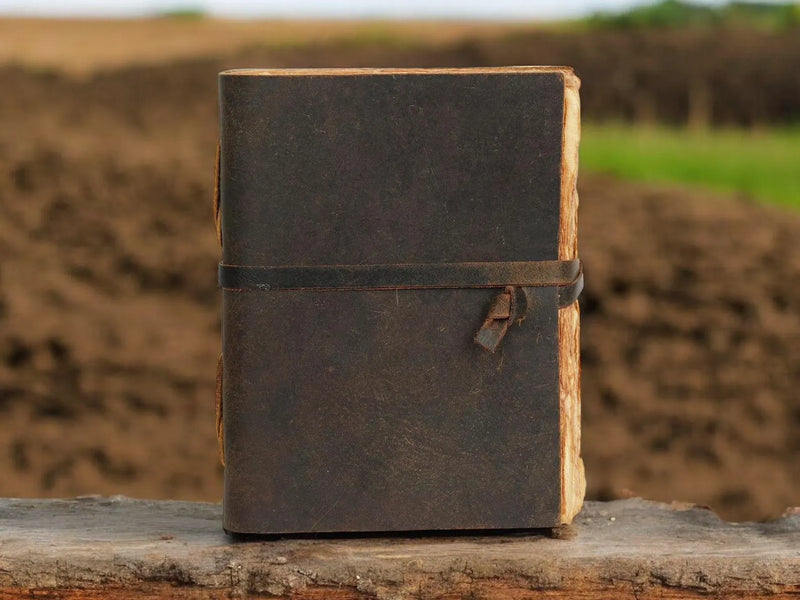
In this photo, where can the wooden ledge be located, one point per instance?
(119, 547)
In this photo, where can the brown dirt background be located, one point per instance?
(109, 315)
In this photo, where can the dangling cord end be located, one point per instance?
(502, 312)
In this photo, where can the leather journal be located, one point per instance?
(400, 275)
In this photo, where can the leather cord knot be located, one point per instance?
(502, 313)
(511, 305)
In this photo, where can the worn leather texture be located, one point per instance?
(376, 410)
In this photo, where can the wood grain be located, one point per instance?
(95, 548)
(486, 591)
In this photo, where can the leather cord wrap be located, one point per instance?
(507, 307)
(566, 274)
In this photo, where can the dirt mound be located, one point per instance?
(690, 369)
(109, 327)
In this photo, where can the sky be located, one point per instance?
(387, 9)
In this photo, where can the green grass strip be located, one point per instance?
(763, 164)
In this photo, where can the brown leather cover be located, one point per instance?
(352, 410)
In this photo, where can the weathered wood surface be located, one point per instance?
(119, 547)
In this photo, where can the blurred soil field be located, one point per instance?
(83, 47)
(703, 76)
(109, 312)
